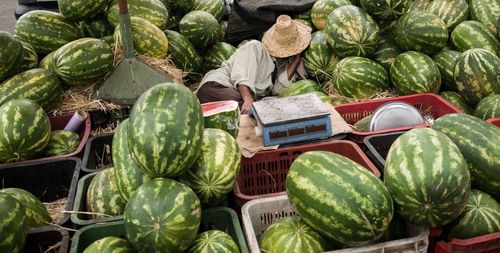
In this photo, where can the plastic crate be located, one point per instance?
(97, 153)
(377, 146)
(47, 180)
(259, 214)
(482, 244)
(264, 174)
(58, 123)
(102, 119)
(221, 218)
(428, 102)
(47, 239)
(495, 121)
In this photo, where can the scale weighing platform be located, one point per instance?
(292, 119)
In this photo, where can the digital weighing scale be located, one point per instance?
(292, 119)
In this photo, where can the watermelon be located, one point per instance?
(62, 142)
(184, 54)
(420, 31)
(305, 15)
(162, 216)
(476, 74)
(305, 22)
(472, 34)
(173, 21)
(386, 26)
(486, 12)
(386, 9)
(427, 177)
(330, 193)
(359, 78)
(213, 174)
(224, 115)
(12, 55)
(214, 7)
(13, 228)
(322, 8)
(222, 31)
(110, 40)
(319, 59)
(179, 7)
(213, 241)
(291, 234)
(161, 145)
(25, 130)
(452, 12)
(129, 175)
(96, 28)
(36, 213)
(148, 39)
(386, 52)
(30, 58)
(480, 217)
(215, 55)
(478, 141)
(46, 31)
(446, 60)
(488, 107)
(153, 11)
(300, 87)
(109, 244)
(414, 72)
(78, 10)
(201, 28)
(395, 231)
(40, 85)
(457, 100)
(419, 5)
(46, 62)
(362, 37)
(325, 98)
(103, 196)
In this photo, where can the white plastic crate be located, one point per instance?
(259, 214)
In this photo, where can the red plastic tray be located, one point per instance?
(432, 103)
(482, 244)
(264, 174)
(495, 121)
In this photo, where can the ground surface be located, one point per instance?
(7, 19)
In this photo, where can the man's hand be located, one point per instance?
(246, 107)
(246, 95)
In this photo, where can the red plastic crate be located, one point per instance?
(495, 121)
(482, 244)
(264, 174)
(432, 103)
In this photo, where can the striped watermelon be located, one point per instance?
(472, 34)
(148, 39)
(13, 228)
(306, 23)
(476, 74)
(305, 15)
(75, 67)
(162, 216)
(361, 37)
(386, 52)
(36, 213)
(173, 21)
(153, 11)
(386, 9)
(46, 62)
(109, 244)
(419, 5)
(480, 217)
(215, 55)
(103, 196)
(201, 28)
(179, 7)
(359, 78)
(213, 241)
(184, 54)
(214, 7)
(224, 115)
(445, 60)
(291, 234)
(327, 99)
(11, 53)
(486, 12)
(40, 85)
(110, 40)
(478, 142)
(427, 177)
(78, 10)
(300, 87)
(457, 100)
(160, 145)
(46, 31)
(25, 130)
(319, 59)
(414, 72)
(386, 26)
(329, 191)
(488, 107)
(452, 12)
(420, 31)
(129, 175)
(30, 58)
(62, 142)
(322, 8)
(213, 174)
(96, 28)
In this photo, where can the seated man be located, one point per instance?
(257, 69)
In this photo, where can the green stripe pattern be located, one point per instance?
(162, 216)
(103, 196)
(478, 141)
(96, 28)
(62, 142)
(386, 52)
(46, 62)
(386, 26)
(300, 87)
(386, 9)
(452, 12)
(486, 12)
(359, 77)
(218, 53)
(213, 241)
(153, 11)
(30, 57)
(13, 229)
(40, 85)
(78, 10)
(339, 198)
(184, 54)
(227, 120)
(488, 107)
(291, 234)
(472, 34)
(24, 130)
(420, 31)
(457, 100)
(446, 59)
(36, 213)
(46, 31)
(179, 7)
(322, 8)
(213, 174)
(419, 5)
(214, 7)
(414, 72)
(201, 28)
(165, 130)
(319, 58)
(427, 177)
(11, 53)
(148, 39)
(109, 244)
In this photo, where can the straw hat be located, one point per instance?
(287, 37)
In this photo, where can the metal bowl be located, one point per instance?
(394, 115)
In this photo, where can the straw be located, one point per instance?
(56, 209)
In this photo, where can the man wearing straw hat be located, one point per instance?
(258, 69)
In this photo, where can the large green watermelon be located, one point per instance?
(322, 8)
(224, 115)
(109, 244)
(179, 7)
(319, 58)
(201, 28)
(452, 12)
(153, 11)
(386, 9)
(103, 196)
(30, 58)
(78, 10)
(386, 52)
(162, 216)
(214, 7)
(419, 5)
(446, 60)
(165, 130)
(486, 12)
(488, 107)
(97, 27)
(213, 241)
(457, 100)
(472, 34)
(218, 53)
(330, 193)
(13, 228)
(46, 62)
(148, 39)
(62, 142)
(36, 213)
(414, 72)
(300, 87)
(427, 177)
(184, 54)
(11, 53)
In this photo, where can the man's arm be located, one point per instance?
(246, 95)
(291, 69)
